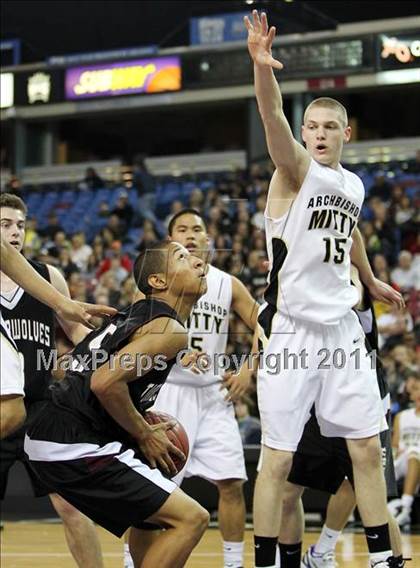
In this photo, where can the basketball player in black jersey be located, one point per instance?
(32, 326)
(91, 442)
(16, 267)
(324, 464)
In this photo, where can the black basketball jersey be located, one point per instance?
(74, 393)
(368, 322)
(31, 324)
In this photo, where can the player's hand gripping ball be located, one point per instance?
(177, 435)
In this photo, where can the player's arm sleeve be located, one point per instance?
(243, 303)
(163, 338)
(76, 332)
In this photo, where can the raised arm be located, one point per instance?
(286, 153)
(20, 271)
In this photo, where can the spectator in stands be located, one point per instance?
(33, 241)
(107, 284)
(176, 207)
(407, 274)
(381, 188)
(97, 256)
(257, 263)
(103, 211)
(124, 211)
(128, 292)
(149, 237)
(258, 217)
(66, 265)
(249, 426)
(80, 251)
(114, 227)
(196, 200)
(393, 325)
(144, 183)
(92, 180)
(372, 242)
(380, 263)
(52, 228)
(55, 246)
(385, 229)
(115, 259)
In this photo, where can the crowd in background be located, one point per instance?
(99, 270)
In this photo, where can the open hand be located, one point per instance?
(260, 40)
(81, 312)
(385, 293)
(237, 385)
(157, 448)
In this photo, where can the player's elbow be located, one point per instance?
(12, 415)
(100, 386)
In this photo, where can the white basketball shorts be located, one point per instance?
(305, 363)
(12, 379)
(216, 451)
(401, 462)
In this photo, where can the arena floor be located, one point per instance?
(41, 545)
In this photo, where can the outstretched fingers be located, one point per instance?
(256, 21)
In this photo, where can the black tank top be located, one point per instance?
(74, 393)
(31, 324)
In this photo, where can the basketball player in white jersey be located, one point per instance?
(310, 219)
(406, 443)
(16, 267)
(199, 400)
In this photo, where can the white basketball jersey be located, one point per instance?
(309, 248)
(409, 429)
(208, 328)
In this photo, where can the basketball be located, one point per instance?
(177, 435)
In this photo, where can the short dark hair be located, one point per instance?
(150, 261)
(188, 211)
(14, 202)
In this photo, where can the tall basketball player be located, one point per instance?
(31, 326)
(16, 267)
(216, 452)
(92, 443)
(324, 464)
(310, 219)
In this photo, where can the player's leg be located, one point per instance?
(185, 521)
(340, 506)
(231, 516)
(183, 402)
(370, 491)
(411, 483)
(12, 414)
(139, 541)
(81, 535)
(268, 500)
(284, 401)
(292, 527)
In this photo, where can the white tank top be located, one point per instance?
(208, 328)
(409, 429)
(309, 248)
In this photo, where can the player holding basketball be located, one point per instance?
(311, 216)
(91, 442)
(216, 452)
(16, 267)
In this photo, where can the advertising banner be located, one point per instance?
(152, 75)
